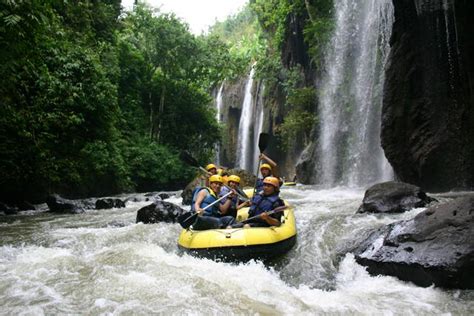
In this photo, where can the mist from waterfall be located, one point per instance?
(244, 161)
(350, 95)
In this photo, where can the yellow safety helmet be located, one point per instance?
(233, 178)
(272, 181)
(211, 166)
(265, 165)
(216, 178)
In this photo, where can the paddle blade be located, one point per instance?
(263, 140)
(188, 159)
(187, 219)
(242, 193)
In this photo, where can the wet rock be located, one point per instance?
(435, 247)
(393, 197)
(159, 211)
(7, 209)
(108, 203)
(164, 196)
(57, 204)
(25, 206)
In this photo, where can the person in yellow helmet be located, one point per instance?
(211, 170)
(267, 169)
(212, 217)
(233, 182)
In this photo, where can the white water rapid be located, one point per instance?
(103, 263)
(350, 95)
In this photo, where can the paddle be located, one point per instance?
(275, 210)
(263, 140)
(186, 220)
(190, 160)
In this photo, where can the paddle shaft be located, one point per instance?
(262, 145)
(213, 203)
(275, 210)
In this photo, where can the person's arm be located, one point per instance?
(270, 220)
(225, 207)
(275, 218)
(243, 204)
(197, 205)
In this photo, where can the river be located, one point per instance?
(102, 262)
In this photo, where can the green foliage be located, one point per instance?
(300, 118)
(153, 166)
(273, 15)
(243, 38)
(81, 89)
(318, 29)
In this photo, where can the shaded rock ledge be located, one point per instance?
(393, 197)
(435, 247)
(159, 211)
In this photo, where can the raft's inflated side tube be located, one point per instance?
(241, 243)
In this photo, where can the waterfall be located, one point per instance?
(258, 126)
(245, 124)
(219, 119)
(350, 95)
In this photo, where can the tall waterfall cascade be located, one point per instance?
(244, 144)
(219, 105)
(258, 125)
(350, 95)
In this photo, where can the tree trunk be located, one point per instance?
(150, 103)
(160, 112)
(308, 9)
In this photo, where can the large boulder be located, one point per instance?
(393, 197)
(108, 203)
(435, 247)
(159, 211)
(57, 204)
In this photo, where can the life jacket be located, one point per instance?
(259, 186)
(209, 199)
(235, 199)
(262, 203)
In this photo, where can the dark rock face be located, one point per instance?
(108, 203)
(393, 197)
(428, 111)
(58, 204)
(11, 209)
(306, 164)
(159, 211)
(436, 247)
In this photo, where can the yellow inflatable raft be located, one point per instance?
(241, 244)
